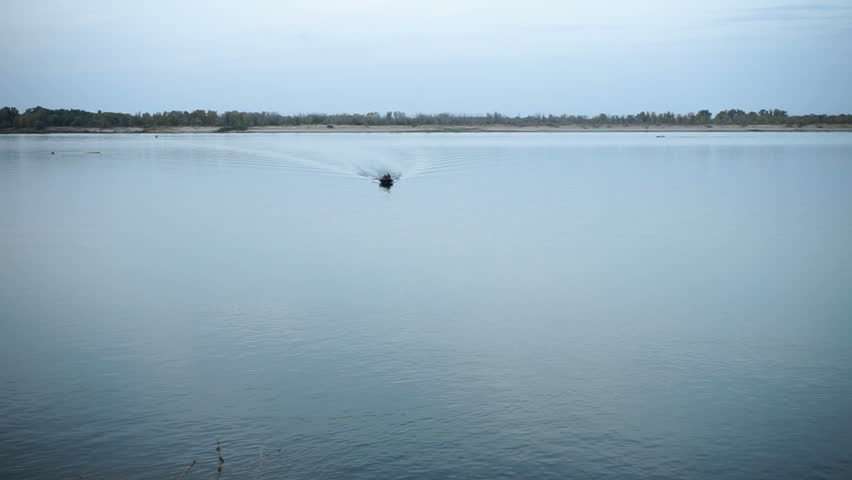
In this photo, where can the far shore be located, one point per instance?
(444, 128)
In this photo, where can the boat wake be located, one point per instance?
(405, 158)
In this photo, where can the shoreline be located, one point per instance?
(439, 129)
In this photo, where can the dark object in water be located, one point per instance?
(386, 181)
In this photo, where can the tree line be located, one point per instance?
(40, 118)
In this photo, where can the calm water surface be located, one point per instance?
(518, 305)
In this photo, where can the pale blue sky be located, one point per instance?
(583, 57)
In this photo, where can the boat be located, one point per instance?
(386, 181)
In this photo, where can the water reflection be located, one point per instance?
(528, 302)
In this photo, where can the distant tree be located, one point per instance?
(232, 119)
(8, 116)
(41, 118)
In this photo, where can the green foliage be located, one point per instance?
(8, 116)
(39, 118)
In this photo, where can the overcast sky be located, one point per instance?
(458, 56)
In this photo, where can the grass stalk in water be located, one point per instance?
(221, 460)
(187, 471)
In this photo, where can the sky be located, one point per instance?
(476, 56)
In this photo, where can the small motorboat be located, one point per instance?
(386, 181)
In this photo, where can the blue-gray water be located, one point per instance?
(518, 305)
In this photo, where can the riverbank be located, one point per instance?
(443, 128)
